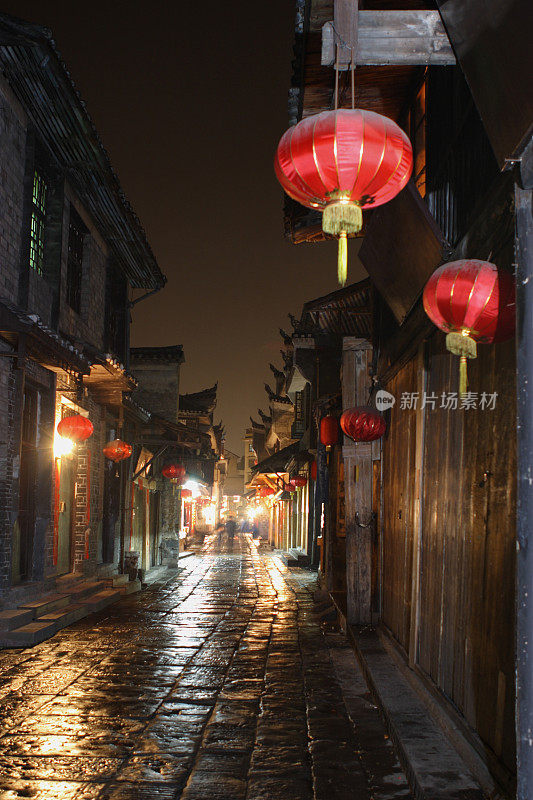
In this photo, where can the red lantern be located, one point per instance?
(472, 301)
(329, 431)
(186, 494)
(266, 491)
(290, 487)
(299, 480)
(363, 424)
(117, 450)
(340, 162)
(76, 428)
(313, 471)
(174, 471)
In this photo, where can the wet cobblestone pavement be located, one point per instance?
(220, 684)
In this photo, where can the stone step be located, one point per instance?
(130, 587)
(45, 605)
(66, 616)
(28, 635)
(99, 600)
(86, 588)
(115, 581)
(15, 618)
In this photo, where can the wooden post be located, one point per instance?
(524, 555)
(417, 516)
(358, 475)
(345, 19)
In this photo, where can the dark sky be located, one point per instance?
(190, 99)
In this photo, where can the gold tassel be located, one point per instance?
(342, 260)
(461, 344)
(463, 377)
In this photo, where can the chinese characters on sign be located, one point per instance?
(449, 401)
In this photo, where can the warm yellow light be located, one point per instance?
(62, 445)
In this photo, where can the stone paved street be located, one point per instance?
(221, 684)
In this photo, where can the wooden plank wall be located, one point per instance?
(465, 636)
(398, 508)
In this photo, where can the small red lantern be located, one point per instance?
(363, 424)
(340, 162)
(313, 470)
(329, 431)
(299, 480)
(186, 494)
(266, 491)
(117, 450)
(290, 487)
(76, 428)
(174, 472)
(472, 301)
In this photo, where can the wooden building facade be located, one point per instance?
(417, 533)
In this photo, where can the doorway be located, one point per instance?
(67, 480)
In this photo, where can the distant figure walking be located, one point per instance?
(231, 527)
(219, 529)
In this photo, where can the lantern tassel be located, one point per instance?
(463, 377)
(461, 344)
(342, 259)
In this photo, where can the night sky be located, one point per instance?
(190, 99)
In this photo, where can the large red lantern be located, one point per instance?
(299, 480)
(340, 162)
(472, 301)
(174, 472)
(363, 424)
(76, 428)
(329, 431)
(117, 450)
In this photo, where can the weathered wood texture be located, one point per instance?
(358, 470)
(392, 37)
(399, 449)
(467, 538)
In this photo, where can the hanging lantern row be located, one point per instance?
(117, 450)
(471, 301)
(363, 424)
(175, 472)
(340, 162)
(299, 480)
(76, 428)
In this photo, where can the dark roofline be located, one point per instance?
(340, 294)
(39, 78)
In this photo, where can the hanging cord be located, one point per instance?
(336, 76)
(352, 70)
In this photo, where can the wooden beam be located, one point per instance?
(392, 37)
(344, 30)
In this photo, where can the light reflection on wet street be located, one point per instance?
(220, 683)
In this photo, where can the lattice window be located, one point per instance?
(38, 222)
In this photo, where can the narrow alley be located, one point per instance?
(226, 681)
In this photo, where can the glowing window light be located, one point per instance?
(62, 445)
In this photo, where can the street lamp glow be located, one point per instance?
(62, 445)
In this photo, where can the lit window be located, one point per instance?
(38, 222)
